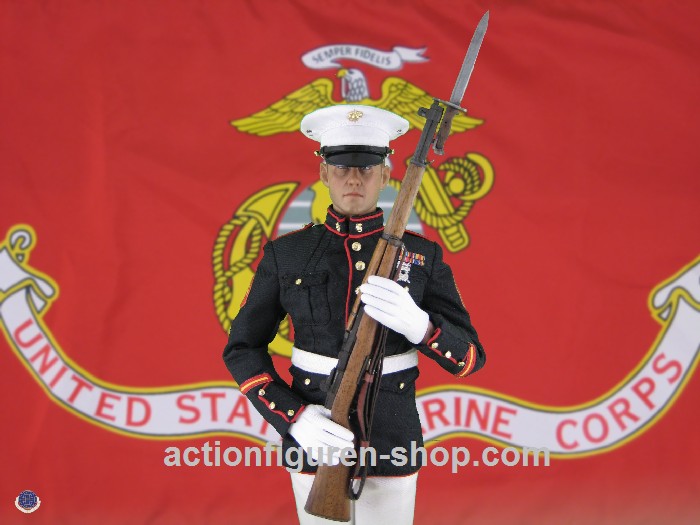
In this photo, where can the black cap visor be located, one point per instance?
(354, 156)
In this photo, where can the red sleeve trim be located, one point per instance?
(438, 351)
(470, 361)
(435, 336)
(254, 381)
(296, 416)
(278, 412)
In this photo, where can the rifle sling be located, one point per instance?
(366, 402)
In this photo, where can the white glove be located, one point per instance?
(389, 303)
(316, 433)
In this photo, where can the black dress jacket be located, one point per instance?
(312, 274)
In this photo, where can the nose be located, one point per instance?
(354, 176)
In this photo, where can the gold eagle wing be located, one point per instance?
(285, 115)
(398, 95)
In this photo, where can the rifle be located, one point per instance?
(355, 380)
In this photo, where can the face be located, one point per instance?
(354, 191)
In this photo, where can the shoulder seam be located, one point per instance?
(305, 227)
(411, 232)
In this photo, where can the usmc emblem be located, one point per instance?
(354, 115)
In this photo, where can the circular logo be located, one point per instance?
(27, 501)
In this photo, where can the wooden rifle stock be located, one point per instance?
(329, 496)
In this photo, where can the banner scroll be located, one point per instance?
(446, 411)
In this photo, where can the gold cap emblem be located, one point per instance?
(354, 115)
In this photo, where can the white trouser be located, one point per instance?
(384, 500)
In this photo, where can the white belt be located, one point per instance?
(321, 364)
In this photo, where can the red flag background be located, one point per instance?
(133, 211)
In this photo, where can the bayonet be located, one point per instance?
(453, 105)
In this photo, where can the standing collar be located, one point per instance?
(355, 225)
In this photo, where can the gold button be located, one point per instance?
(448, 354)
(298, 281)
(337, 226)
(401, 385)
(307, 381)
(358, 226)
(290, 412)
(461, 363)
(261, 392)
(359, 265)
(434, 345)
(272, 405)
(405, 288)
(356, 246)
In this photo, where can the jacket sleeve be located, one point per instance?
(454, 344)
(246, 354)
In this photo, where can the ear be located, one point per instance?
(386, 174)
(323, 173)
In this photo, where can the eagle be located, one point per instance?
(353, 85)
(398, 96)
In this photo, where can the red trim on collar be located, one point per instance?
(330, 212)
(354, 235)
(360, 235)
(334, 230)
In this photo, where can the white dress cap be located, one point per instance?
(353, 124)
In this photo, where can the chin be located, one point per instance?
(358, 211)
(354, 210)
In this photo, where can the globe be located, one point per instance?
(27, 499)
